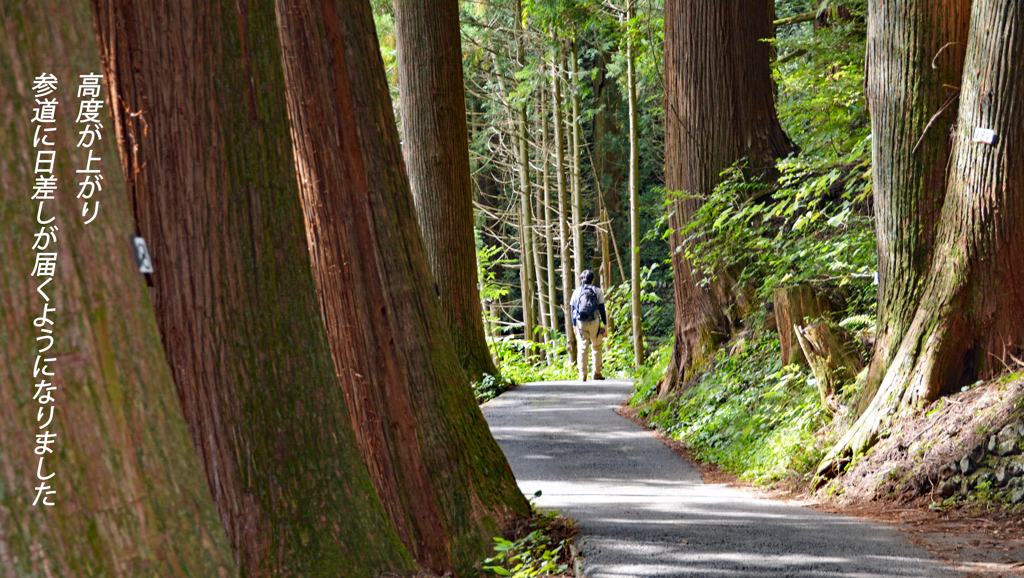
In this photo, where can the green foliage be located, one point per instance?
(646, 385)
(490, 387)
(810, 227)
(747, 414)
(526, 558)
(821, 94)
(536, 554)
(525, 361)
(486, 260)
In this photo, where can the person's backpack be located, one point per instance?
(586, 309)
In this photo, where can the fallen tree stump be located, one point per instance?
(832, 354)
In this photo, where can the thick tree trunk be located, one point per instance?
(131, 499)
(719, 107)
(441, 475)
(970, 320)
(915, 54)
(563, 219)
(203, 132)
(436, 146)
(634, 197)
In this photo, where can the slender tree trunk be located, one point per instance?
(552, 299)
(439, 471)
(525, 194)
(915, 52)
(969, 323)
(130, 497)
(634, 196)
(540, 270)
(719, 107)
(563, 221)
(577, 208)
(436, 147)
(203, 132)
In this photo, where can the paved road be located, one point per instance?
(644, 512)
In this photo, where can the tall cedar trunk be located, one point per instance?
(130, 497)
(441, 475)
(719, 107)
(577, 208)
(610, 166)
(915, 55)
(970, 320)
(203, 134)
(563, 217)
(552, 299)
(525, 203)
(436, 146)
(634, 196)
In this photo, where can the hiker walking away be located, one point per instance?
(590, 323)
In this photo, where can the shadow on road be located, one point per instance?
(644, 512)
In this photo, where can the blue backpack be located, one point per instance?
(586, 309)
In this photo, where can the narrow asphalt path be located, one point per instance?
(644, 512)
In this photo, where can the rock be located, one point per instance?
(1010, 447)
(948, 471)
(948, 488)
(1003, 476)
(1014, 483)
(993, 444)
(1017, 496)
(967, 465)
(985, 476)
(1016, 470)
(1020, 429)
(1008, 432)
(977, 453)
(966, 485)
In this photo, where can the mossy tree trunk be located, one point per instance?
(443, 479)
(915, 55)
(719, 108)
(969, 323)
(436, 146)
(131, 499)
(203, 133)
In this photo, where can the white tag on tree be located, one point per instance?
(142, 255)
(985, 135)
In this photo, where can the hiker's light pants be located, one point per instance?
(589, 333)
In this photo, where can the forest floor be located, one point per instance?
(899, 482)
(644, 512)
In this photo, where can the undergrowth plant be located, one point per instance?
(748, 413)
(543, 551)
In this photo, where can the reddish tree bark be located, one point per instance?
(915, 52)
(199, 100)
(440, 474)
(969, 323)
(130, 498)
(719, 107)
(436, 146)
